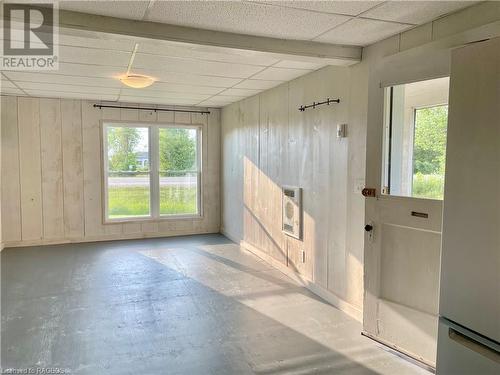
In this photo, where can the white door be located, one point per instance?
(403, 238)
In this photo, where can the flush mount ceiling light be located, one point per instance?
(137, 81)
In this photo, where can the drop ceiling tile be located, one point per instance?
(169, 64)
(209, 53)
(71, 95)
(294, 64)
(362, 32)
(163, 95)
(153, 100)
(89, 70)
(257, 84)
(97, 41)
(114, 8)
(245, 18)
(6, 84)
(28, 86)
(415, 12)
(240, 92)
(352, 8)
(280, 74)
(83, 55)
(63, 79)
(226, 98)
(214, 103)
(178, 88)
(11, 91)
(189, 78)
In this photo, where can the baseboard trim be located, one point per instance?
(104, 238)
(325, 294)
(229, 236)
(394, 349)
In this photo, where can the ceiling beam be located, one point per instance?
(330, 53)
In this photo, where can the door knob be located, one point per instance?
(369, 192)
(368, 227)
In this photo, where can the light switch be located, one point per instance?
(341, 130)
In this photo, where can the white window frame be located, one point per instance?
(154, 170)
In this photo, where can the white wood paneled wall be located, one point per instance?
(268, 143)
(52, 178)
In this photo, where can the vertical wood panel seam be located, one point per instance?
(280, 177)
(42, 234)
(62, 168)
(258, 134)
(83, 170)
(204, 130)
(19, 162)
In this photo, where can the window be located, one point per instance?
(416, 117)
(179, 172)
(151, 171)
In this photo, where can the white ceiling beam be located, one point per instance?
(330, 53)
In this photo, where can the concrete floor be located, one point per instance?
(186, 305)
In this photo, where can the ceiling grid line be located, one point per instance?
(148, 9)
(244, 79)
(353, 17)
(15, 84)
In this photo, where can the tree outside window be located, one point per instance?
(429, 151)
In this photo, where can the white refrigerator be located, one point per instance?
(469, 305)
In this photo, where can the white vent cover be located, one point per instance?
(292, 211)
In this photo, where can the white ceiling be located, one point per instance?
(190, 74)
(186, 74)
(326, 21)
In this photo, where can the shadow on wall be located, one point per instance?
(262, 228)
(268, 143)
(325, 259)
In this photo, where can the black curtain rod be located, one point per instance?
(302, 108)
(150, 109)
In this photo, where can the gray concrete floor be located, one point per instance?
(185, 305)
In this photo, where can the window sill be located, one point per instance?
(153, 220)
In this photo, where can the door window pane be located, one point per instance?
(416, 116)
(128, 174)
(179, 172)
(429, 152)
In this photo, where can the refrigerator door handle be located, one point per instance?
(474, 345)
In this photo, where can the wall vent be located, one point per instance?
(292, 211)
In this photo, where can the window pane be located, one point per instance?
(416, 119)
(429, 152)
(128, 172)
(178, 171)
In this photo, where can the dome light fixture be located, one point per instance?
(137, 81)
